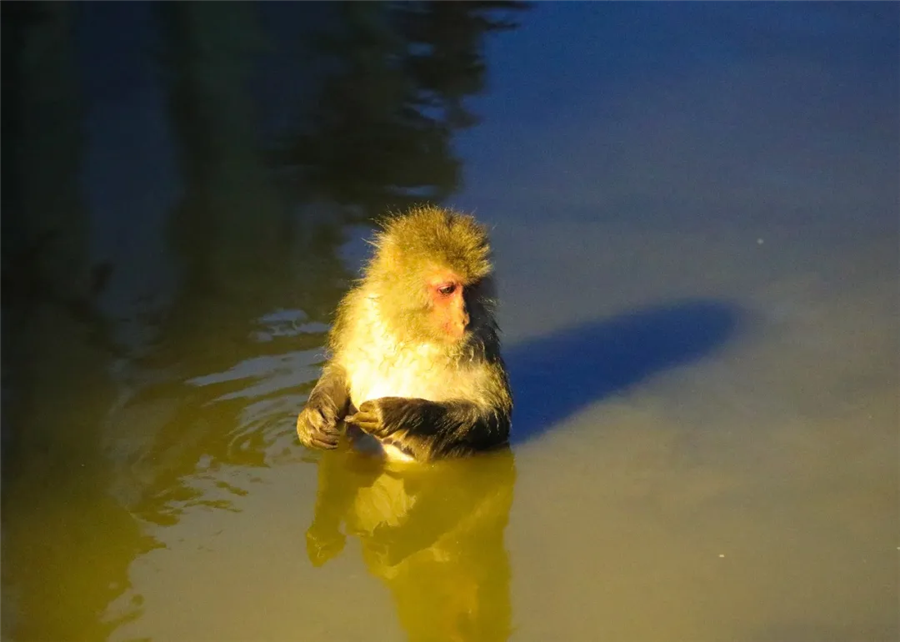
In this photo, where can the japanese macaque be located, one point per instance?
(415, 352)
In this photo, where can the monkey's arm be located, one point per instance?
(318, 425)
(433, 429)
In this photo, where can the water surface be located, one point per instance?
(697, 248)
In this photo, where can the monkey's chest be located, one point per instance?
(411, 375)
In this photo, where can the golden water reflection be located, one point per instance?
(433, 536)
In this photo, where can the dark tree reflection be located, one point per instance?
(378, 134)
(59, 570)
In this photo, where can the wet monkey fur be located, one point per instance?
(415, 352)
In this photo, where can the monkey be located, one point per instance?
(415, 359)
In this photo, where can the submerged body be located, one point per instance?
(416, 359)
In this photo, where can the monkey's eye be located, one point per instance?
(447, 290)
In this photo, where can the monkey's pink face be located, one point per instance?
(448, 297)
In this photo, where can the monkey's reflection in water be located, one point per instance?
(433, 534)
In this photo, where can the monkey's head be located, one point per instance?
(432, 275)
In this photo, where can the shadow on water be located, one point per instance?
(556, 375)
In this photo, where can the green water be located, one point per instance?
(697, 257)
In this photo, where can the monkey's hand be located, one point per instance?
(318, 424)
(430, 429)
(383, 417)
(323, 544)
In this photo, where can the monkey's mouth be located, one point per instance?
(460, 336)
(471, 338)
(459, 340)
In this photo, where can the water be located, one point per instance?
(699, 310)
